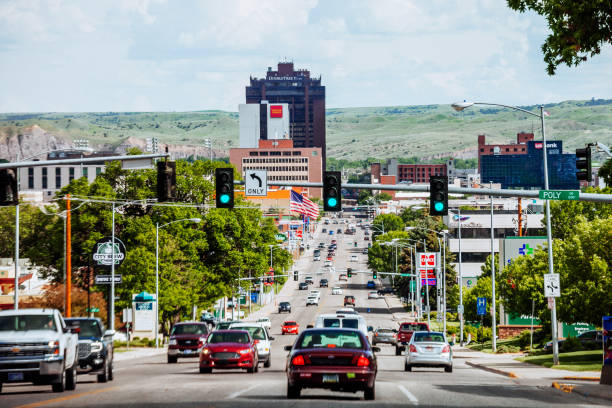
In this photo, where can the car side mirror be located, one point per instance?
(376, 349)
(288, 348)
(109, 333)
(270, 338)
(310, 326)
(370, 328)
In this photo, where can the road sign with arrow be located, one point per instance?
(256, 183)
(552, 285)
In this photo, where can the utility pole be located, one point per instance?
(493, 307)
(68, 259)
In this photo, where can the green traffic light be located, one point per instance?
(332, 202)
(439, 206)
(224, 198)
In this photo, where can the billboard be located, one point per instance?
(276, 111)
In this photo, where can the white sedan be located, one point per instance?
(265, 322)
(336, 290)
(373, 294)
(327, 263)
(312, 300)
(353, 258)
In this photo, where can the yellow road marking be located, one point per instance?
(66, 398)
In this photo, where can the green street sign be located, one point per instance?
(93, 309)
(413, 286)
(559, 194)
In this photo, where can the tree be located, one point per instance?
(579, 28)
(382, 197)
(483, 289)
(386, 223)
(605, 172)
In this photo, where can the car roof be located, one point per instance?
(191, 322)
(20, 312)
(246, 324)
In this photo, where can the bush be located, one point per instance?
(470, 330)
(434, 315)
(484, 334)
(507, 349)
(524, 339)
(571, 344)
(452, 317)
(452, 330)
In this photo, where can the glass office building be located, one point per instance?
(526, 171)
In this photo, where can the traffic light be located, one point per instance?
(224, 183)
(374, 275)
(8, 187)
(438, 195)
(349, 272)
(295, 275)
(583, 164)
(332, 191)
(166, 180)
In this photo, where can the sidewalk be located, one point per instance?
(138, 352)
(397, 309)
(580, 382)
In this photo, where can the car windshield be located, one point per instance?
(414, 327)
(189, 329)
(223, 325)
(27, 322)
(256, 332)
(331, 339)
(228, 337)
(89, 328)
(428, 337)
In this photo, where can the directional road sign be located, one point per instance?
(481, 306)
(256, 183)
(552, 285)
(106, 279)
(559, 194)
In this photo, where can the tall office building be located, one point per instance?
(305, 97)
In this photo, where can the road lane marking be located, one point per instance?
(239, 393)
(66, 398)
(408, 394)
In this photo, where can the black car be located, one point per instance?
(303, 286)
(323, 283)
(285, 306)
(95, 350)
(324, 230)
(209, 319)
(385, 291)
(339, 231)
(321, 244)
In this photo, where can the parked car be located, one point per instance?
(312, 300)
(405, 333)
(265, 322)
(229, 349)
(371, 284)
(285, 306)
(428, 349)
(309, 363)
(336, 290)
(290, 327)
(186, 340)
(37, 347)
(95, 349)
(384, 335)
(262, 339)
(323, 283)
(303, 286)
(349, 300)
(591, 338)
(372, 294)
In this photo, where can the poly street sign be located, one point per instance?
(256, 183)
(481, 306)
(552, 285)
(559, 194)
(106, 279)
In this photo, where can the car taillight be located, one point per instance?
(298, 361)
(363, 361)
(413, 349)
(446, 349)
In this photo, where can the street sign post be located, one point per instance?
(559, 195)
(106, 279)
(481, 306)
(552, 285)
(256, 183)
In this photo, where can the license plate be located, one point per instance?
(429, 348)
(188, 351)
(15, 376)
(330, 378)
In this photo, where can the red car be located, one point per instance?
(336, 359)
(186, 340)
(405, 333)
(229, 349)
(290, 327)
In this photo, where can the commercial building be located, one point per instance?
(526, 169)
(282, 161)
(409, 173)
(503, 149)
(263, 121)
(305, 97)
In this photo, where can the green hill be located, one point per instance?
(425, 131)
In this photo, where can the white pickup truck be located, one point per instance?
(36, 346)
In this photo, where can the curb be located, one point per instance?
(569, 388)
(493, 370)
(581, 378)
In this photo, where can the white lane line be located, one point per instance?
(239, 393)
(408, 394)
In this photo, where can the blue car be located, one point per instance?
(331, 232)
(371, 285)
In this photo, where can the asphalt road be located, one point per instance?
(151, 382)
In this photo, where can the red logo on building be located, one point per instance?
(537, 145)
(276, 111)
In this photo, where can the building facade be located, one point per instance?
(263, 121)
(282, 161)
(407, 173)
(520, 147)
(305, 97)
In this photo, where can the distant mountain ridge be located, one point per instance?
(425, 131)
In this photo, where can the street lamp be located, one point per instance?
(157, 227)
(459, 106)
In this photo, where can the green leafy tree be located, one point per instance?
(386, 223)
(382, 197)
(484, 289)
(605, 172)
(579, 28)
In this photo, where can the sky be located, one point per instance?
(156, 55)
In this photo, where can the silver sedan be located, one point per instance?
(428, 349)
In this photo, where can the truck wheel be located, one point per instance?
(103, 376)
(60, 382)
(71, 377)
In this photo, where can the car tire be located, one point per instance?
(71, 377)
(268, 362)
(172, 359)
(60, 383)
(103, 376)
(293, 391)
(369, 394)
(448, 369)
(398, 351)
(110, 374)
(205, 370)
(407, 367)
(0, 388)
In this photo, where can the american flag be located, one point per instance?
(303, 205)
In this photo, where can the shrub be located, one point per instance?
(470, 330)
(571, 344)
(452, 317)
(484, 334)
(452, 330)
(524, 339)
(507, 349)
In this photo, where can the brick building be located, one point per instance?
(520, 147)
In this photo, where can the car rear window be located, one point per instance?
(331, 322)
(331, 339)
(189, 329)
(290, 323)
(228, 337)
(414, 327)
(350, 323)
(385, 330)
(427, 337)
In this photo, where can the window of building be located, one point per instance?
(275, 153)
(286, 153)
(98, 171)
(58, 177)
(30, 177)
(86, 172)
(507, 149)
(44, 178)
(70, 173)
(263, 153)
(253, 153)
